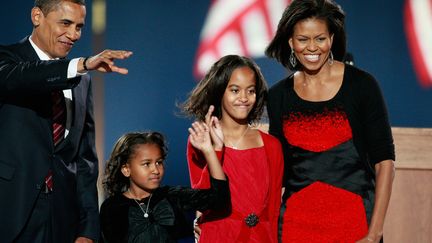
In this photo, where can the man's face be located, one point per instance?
(56, 32)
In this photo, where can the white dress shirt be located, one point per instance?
(72, 73)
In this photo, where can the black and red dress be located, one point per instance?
(330, 148)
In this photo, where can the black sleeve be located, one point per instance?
(275, 115)
(19, 76)
(378, 135)
(274, 111)
(215, 198)
(114, 221)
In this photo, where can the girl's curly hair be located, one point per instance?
(114, 181)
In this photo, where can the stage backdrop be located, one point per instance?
(165, 35)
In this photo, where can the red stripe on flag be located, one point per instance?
(266, 14)
(211, 45)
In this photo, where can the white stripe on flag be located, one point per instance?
(242, 27)
(422, 18)
(418, 23)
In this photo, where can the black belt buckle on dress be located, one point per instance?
(251, 220)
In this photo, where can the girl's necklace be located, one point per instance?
(145, 213)
(234, 145)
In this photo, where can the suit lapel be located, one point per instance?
(26, 50)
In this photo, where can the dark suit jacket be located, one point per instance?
(27, 151)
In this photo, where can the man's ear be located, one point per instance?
(36, 16)
(125, 170)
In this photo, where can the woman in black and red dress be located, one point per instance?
(333, 125)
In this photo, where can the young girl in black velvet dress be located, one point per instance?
(138, 209)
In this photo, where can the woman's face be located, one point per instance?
(311, 42)
(145, 168)
(240, 95)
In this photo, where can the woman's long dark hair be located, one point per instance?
(299, 10)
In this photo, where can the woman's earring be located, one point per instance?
(330, 59)
(292, 58)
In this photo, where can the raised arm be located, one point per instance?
(199, 137)
(104, 62)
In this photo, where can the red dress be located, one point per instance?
(321, 212)
(255, 179)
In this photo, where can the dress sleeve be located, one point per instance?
(113, 219)
(106, 224)
(215, 198)
(274, 112)
(379, 139)
(275, 115)
(198, 171)
(276, 165)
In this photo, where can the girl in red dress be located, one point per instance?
(230, 99)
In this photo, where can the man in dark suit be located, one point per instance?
(48, 164)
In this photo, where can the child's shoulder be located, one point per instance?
(117, 200)
(267, 138)
(163, 192)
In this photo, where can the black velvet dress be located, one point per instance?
(122, 220)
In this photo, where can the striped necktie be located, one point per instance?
(59, 125)
(59, 116)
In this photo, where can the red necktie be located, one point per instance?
(49, 180)
(59, 124)
(59, 116)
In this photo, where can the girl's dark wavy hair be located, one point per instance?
(210, 90)
(299, 10)
(114, 181)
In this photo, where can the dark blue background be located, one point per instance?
(164, 36)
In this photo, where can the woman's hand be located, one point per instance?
(83, 240)
(370, 239)
(197, 229)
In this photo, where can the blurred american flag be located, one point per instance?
(242, 27)
(418, 29)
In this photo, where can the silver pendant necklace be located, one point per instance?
(234, 145)
(145, 213)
